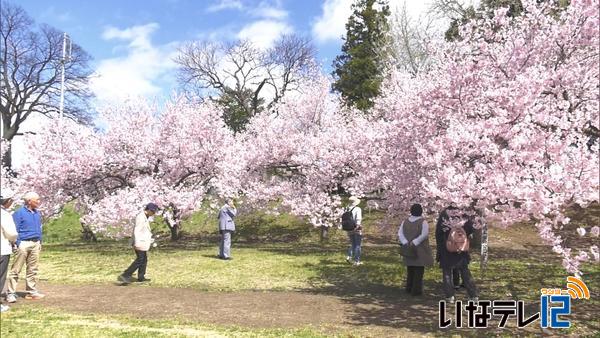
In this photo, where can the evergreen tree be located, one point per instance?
(359, 70)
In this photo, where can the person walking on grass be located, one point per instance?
(142, 240)
(413, 235)
(226, 228)
(8, 236)
(28, 222)
(354, 235)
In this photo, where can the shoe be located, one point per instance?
(349, 259)
(226, 258)
(124, 279)
(357, 263)
(35, 295)
(4, 308)
(450, 300)
(11, 298)
(142, 280)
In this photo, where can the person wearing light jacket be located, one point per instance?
(142, 240)
(8, 236)
(226, 228)
(355, 236)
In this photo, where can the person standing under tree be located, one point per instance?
(445, 217)
(28, 222)
(226, 228)
(413, 235)
(142, 239)
(452, 237)
(355, 235)
(8, 235)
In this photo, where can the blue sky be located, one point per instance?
(133, 41)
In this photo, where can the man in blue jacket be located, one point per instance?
(226, 228)
(28, 222)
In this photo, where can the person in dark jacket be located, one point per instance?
(414, 233)
(443, 217)
(450, 261)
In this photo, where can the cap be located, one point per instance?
(152, 207)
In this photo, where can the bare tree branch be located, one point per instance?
(241, 76)
(30, 73)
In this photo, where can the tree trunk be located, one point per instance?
(484, 249)
(7, 157)
(174, 232)
(87, 234)
(173, 220)
(324, 234)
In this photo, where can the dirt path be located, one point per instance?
(253, 309)
(386, 314)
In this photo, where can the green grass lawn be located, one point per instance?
(273, 253)
(37, 322)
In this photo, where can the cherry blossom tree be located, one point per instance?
(506, 121)
(307, 153)
(171, 156)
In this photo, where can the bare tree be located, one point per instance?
(451, 9)
(409, 39)
(30, 74)
(243, 78)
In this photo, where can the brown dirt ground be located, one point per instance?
(363, 314)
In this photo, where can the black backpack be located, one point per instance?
(348, 221)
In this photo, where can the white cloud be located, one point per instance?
(225, 5)
(142, 71)
(264, 33)
(224, 33)
(139, 36)
(264, 9)
(331, 25)
(268, 11)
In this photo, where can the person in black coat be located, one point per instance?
(443, 217)
(453, 261)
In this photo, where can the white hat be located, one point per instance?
(355, 200)
(31, 196)
(7, 193)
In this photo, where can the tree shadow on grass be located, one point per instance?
(375, 296)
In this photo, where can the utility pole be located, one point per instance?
(66, 56)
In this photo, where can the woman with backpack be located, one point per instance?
(452, 239)
(351, 222)
(413, 235)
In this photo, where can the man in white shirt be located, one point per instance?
(8, 236)
(142, 239)
(355, 236)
